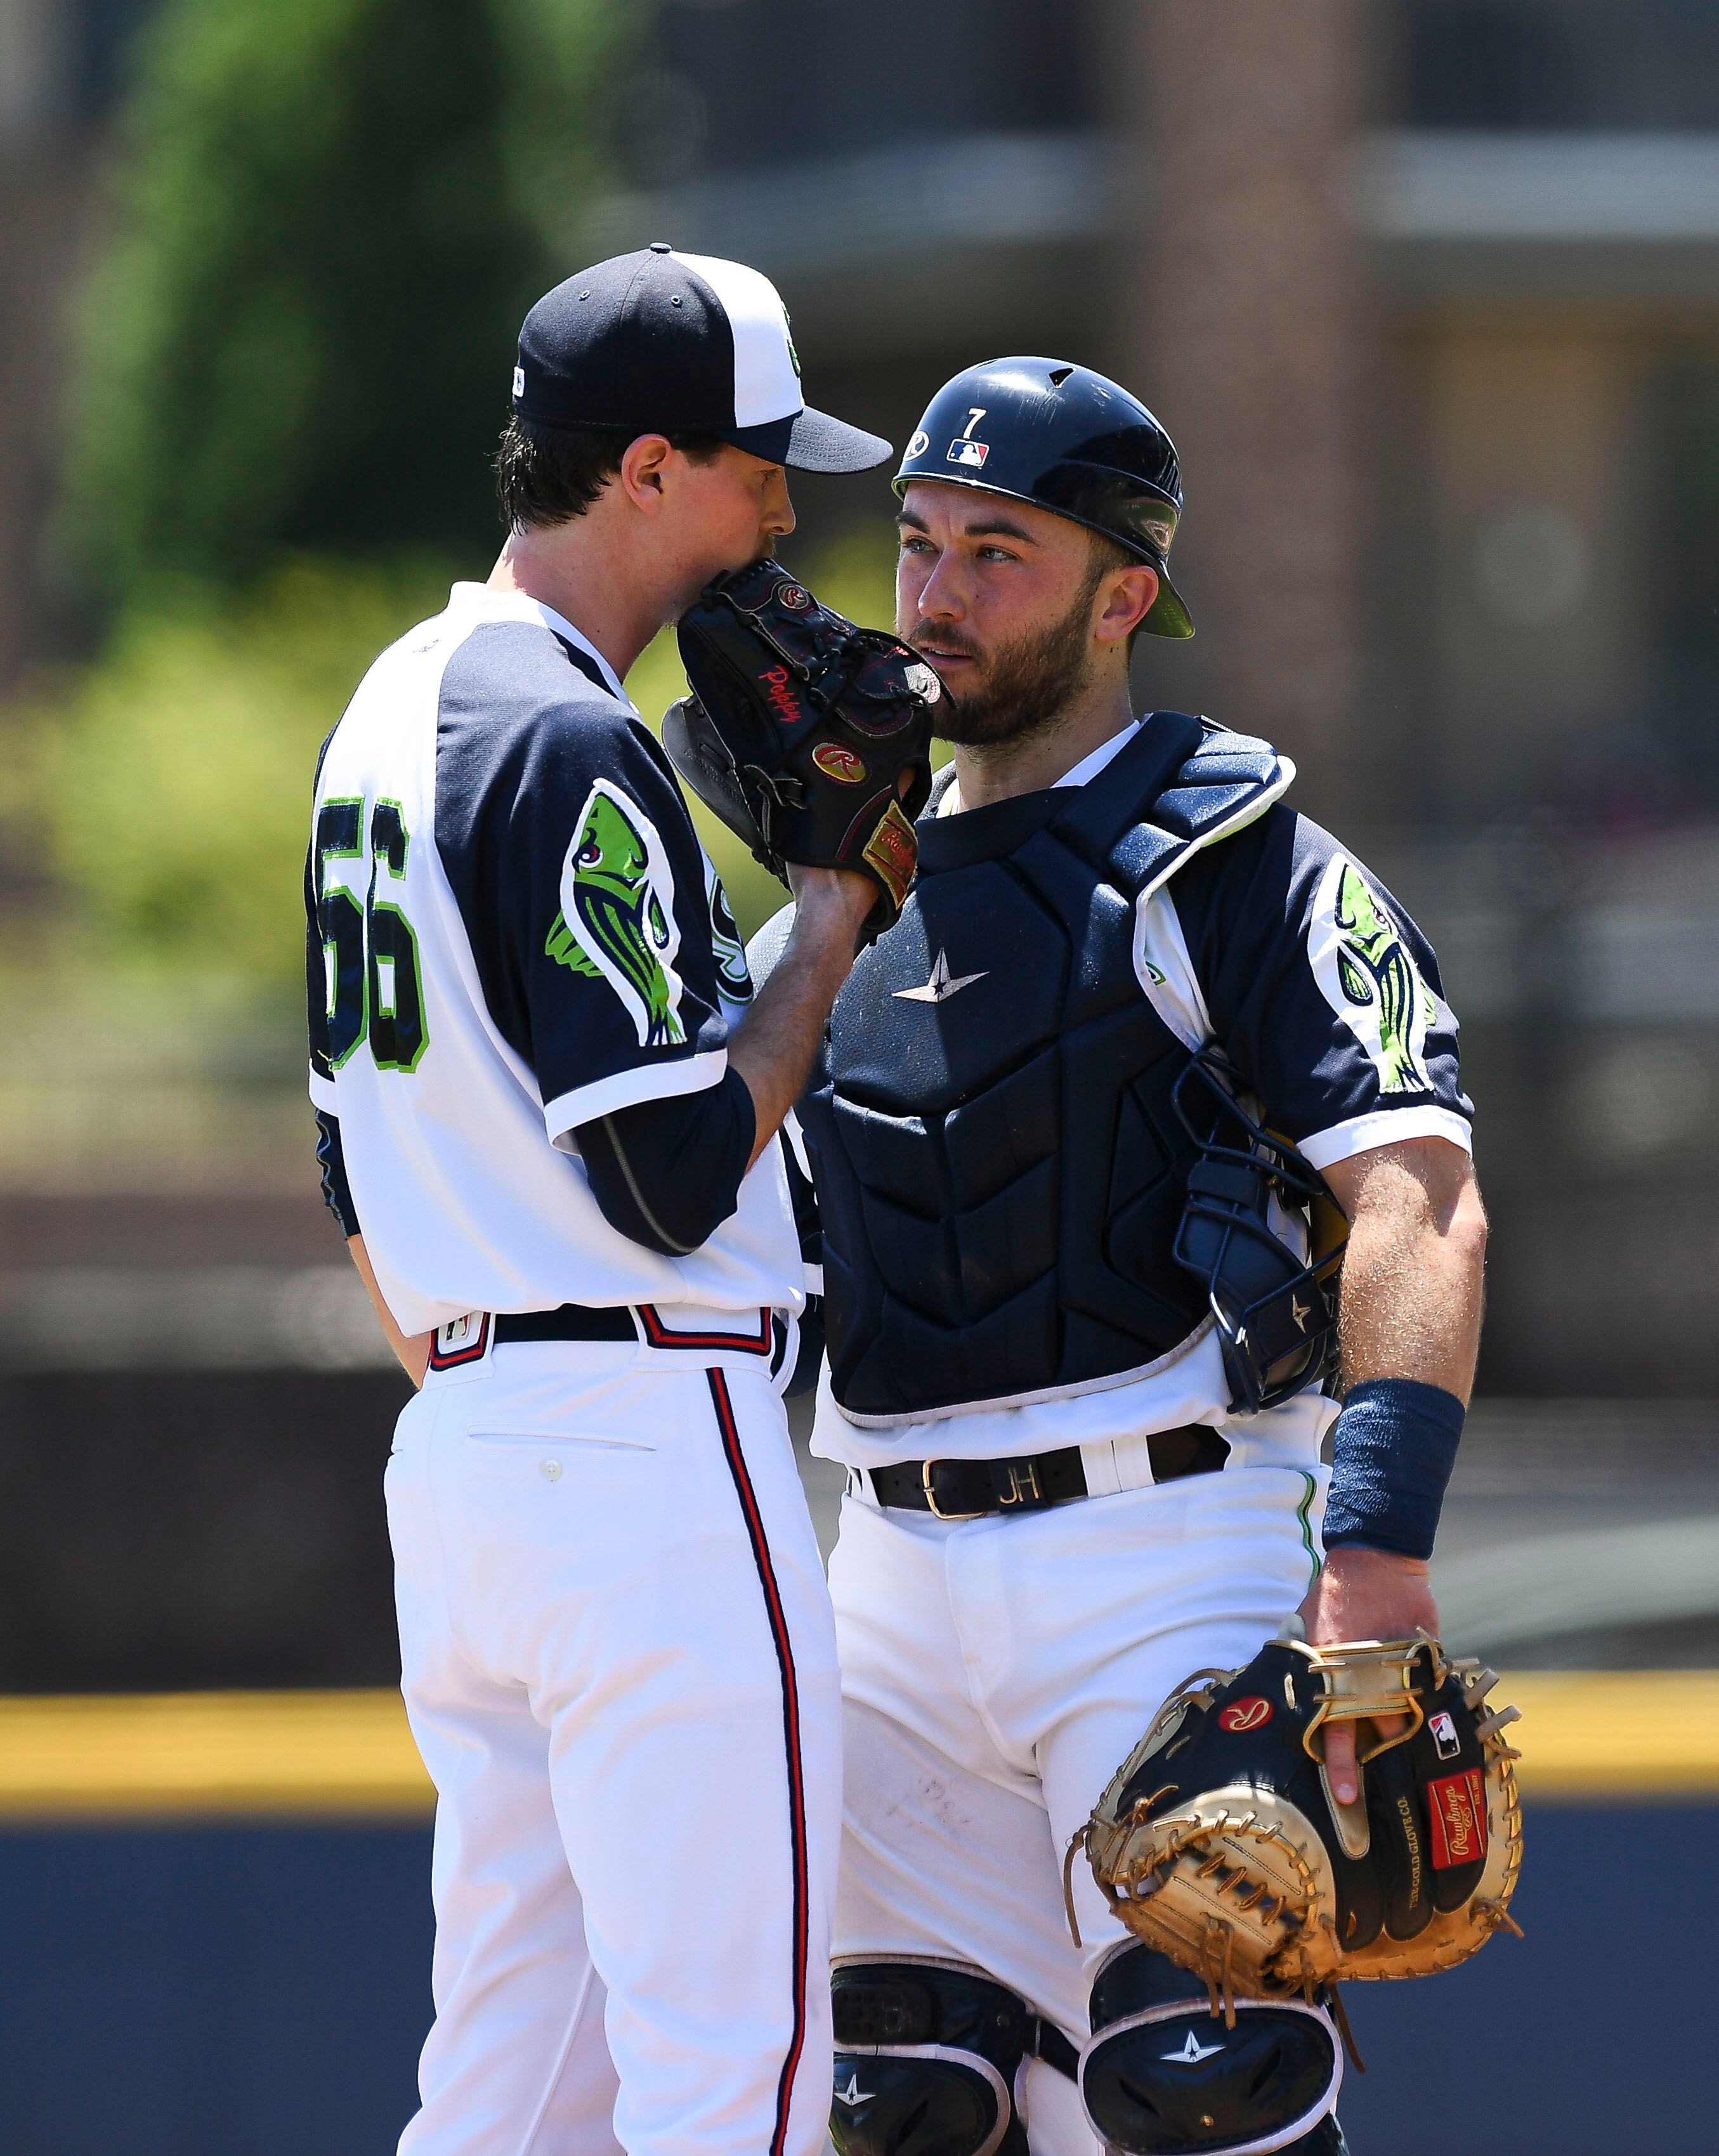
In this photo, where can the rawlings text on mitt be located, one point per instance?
(1218, 1841)
(808, 736)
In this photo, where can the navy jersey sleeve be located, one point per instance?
(579, 879)
(1322, 991)
(316, 955)
(315, 978)
(331, 1159)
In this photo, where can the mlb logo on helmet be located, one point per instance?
(964, 449)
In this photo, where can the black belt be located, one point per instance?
(573, 1321)
(970, 1489)
(755, 1332)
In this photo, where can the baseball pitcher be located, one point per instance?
(549, 1099)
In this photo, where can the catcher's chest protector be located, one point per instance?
(1000, 1170)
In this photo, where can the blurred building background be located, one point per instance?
(1427, 291)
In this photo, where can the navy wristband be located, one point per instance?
(1391, 1451)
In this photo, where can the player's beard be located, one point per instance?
(1028, 683)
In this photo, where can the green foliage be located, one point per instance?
(562, 59)
(171, 783)
(330, 217)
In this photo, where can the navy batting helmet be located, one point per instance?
(1045, 431)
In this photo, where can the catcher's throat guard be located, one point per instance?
(808, 738)
(1219, 1842)
(1274, 1309)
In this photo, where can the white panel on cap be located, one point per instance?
(766, 385)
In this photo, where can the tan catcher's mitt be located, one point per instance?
(1219, 1843)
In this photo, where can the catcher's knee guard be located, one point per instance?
(929, 2061)
(1165, 2075)
(1327, 2139)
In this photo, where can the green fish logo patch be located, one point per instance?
(1366, 975)
(617, 919)
(733, 977)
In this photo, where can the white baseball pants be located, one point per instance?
(620, 1665)
(995, 1674)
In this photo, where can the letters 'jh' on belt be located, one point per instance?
(972, 1489)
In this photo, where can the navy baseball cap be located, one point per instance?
(663, 343)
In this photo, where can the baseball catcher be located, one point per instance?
(1143, 1171)
(807, 736)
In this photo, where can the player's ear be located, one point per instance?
(1126, 597)
(641, 474)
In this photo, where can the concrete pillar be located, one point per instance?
(46, 194)
(47, 168)
(1238, 322)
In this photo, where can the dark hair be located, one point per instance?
(547, 475)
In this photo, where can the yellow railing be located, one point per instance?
(1607, 1737)
(296, 1754)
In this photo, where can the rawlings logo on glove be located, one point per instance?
(1220, 1843)
(793, 711)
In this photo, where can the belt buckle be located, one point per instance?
(931, 1496)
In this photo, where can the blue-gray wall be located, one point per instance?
(263, 1992)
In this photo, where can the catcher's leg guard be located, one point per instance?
(1164, 2075)
(1327, 2139)
(929, 2061)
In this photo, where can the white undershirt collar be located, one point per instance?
(1089, 767)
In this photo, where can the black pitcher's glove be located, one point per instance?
(808, 736)
(1220, 1842)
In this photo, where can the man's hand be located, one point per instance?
(1365, 1595)
(773, 1046)
(841, 889)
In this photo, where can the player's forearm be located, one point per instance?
(773, 1047)
(1411, 1298)
(1410, 1319)
(412, 1349)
